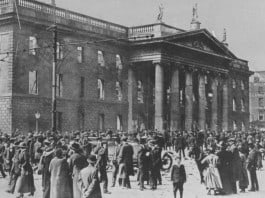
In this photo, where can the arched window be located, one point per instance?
(100, 89)
(119, 123)
(243, 105)
(140, 92)
(233, 84)
(119, 90)
(118, 62)
(234, 125)
(234, 104)
(243, 127)
(242, 85)
(101, 61)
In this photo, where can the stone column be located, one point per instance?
(202, 102)
(225, 105)
(159, 98)
(214, 105)
(131, 81)
(189, 101)
(175, 107)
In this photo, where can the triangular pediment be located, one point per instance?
(201, 40)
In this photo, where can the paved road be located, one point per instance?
(192, 189)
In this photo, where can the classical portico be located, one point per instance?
(188, 75)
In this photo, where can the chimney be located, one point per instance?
(224, 41)
(195, 23)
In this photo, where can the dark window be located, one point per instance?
(80, 54)
(59, 90)
(33, 82)
(101, 121)
(59, 120)
(260, 90)
(82, 87)
(261, 102)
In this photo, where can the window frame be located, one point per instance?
(36, 83)
(101, 89)
(101, 58)
(80, 54)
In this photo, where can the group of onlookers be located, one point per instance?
(74, 165)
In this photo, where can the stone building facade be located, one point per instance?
(257, 99)
(110, 76)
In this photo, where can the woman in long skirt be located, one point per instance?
(211, 175)
(25, 183)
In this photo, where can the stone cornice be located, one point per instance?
(158, 57)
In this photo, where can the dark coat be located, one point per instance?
(155, 156)
(60, 179)
(236, 164)
(45, 164)
(25, 182)
(126, 158)
(89, 183)
(76, 163)
(252, 160)
(180, 143)
(178, 174)
(225, 170)
(143, 160)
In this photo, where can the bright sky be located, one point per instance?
(243, 19)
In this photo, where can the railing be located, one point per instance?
(142, 29)
(65, 14)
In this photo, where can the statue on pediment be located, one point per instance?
(160, 14)
(195, 12)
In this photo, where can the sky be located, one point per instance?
(244, 20)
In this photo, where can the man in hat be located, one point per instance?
(2, 150)
(77, 162)
(115, 160)
(44, 164)
(88, 179)
(143, 158)
(125, 160)
(252, 167)
(156, 163)
(101, 150)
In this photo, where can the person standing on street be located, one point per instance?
(44, 165)
(126, 163)
(88, 180)
(155, 156)
(2, 151)
(102, 155)
(252, 167)
(25, 182)
(178, 177)
(115, 161)
(60, 177)
(142, 160)
(77, 162)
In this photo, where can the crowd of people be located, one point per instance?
(74, 164)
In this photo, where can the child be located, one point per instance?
(178, 177)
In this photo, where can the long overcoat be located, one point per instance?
(126, 158)
(243, 179)
(25, 182)
(89, 183)
(76, 163)
(60, 179)
(45, 164)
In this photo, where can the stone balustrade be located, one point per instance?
(59, 15)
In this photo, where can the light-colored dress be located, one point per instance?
(211, 174)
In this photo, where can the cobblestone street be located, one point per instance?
(192, 189)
